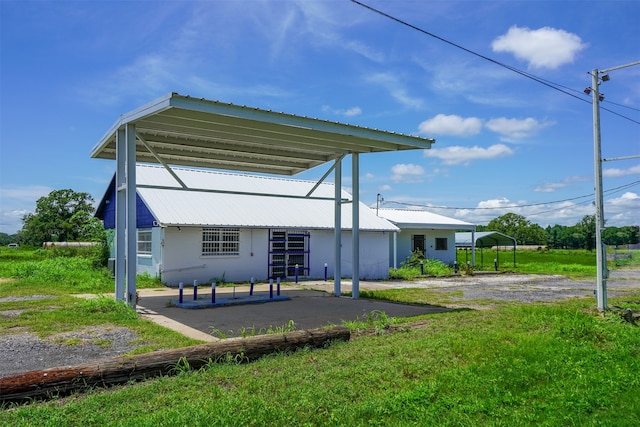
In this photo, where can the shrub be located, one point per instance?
(411, 267)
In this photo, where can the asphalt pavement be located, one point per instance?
(306, 307)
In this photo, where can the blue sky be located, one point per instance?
(504, 143)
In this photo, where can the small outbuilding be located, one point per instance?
(432, 234)
(483, 240)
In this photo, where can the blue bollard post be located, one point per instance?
(213, 292)
(421, 267)
(251, 286)
(296, 273)
(270, 288)
(326, 267)
(195, 290)
(278, 288)
(181, 292)
(495, 264)
(455, 267)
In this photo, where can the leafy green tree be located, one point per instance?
(518, 227)
(555, 236)
(572, 237)
(5, 239)
(616, 236)
(63, 215)
(587, 227)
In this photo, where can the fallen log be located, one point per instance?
(60, 381)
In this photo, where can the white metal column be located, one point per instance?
(355, 221)
(131, 234)
(395, 249)
(337, 250)
(473, 247)
(120, 211)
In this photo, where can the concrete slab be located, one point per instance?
(307, 308)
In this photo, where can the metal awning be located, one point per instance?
(177, 130)
(193, 132)
(486, 239)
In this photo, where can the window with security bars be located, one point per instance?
(441, 244)
(144, 242)
(220, 241)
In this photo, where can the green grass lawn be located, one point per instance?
(518, 364)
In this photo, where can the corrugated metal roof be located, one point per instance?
(202, 205)
(148, 175)
(185, 131)
(484, 239)
(407, 218)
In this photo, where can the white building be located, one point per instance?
(434, 235)
(239, 226)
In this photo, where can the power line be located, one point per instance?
(610, 191)
(542, 81)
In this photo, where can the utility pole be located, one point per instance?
(602, 273)
(379, 199)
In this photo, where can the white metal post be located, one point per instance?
(355, 221)
(131, 235)
(120, 213)
(337, 226)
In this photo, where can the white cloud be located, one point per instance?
(550, 187)
(616, 173)
(542, 48)
(515, 129)
(348, 112)
(623, 211)
(29, 193)
(456, 155)
(11, 220)
(364, 50)
(384, 188)
(407, 173)
(397, 91)
(444, 124)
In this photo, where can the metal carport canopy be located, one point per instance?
(195, 132)
(486, 239)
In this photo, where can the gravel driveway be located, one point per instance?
(21, 352)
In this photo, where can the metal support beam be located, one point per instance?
(473, 247)
(395, 249)
(131, 234)
(121, 205)
(337, 227)
(161, 161)
(321, 180)
(355, 221)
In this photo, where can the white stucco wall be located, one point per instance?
(404, 245)
(182, 260)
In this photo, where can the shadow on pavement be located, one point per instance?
(307, 308)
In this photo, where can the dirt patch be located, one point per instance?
(22, 352)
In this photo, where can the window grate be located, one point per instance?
(220, 241)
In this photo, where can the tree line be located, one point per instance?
(579, 236)
(67, 216)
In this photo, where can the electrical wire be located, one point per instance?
(542, 81)
(591, 196)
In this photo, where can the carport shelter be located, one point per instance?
(485, 239)
(177, 130)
